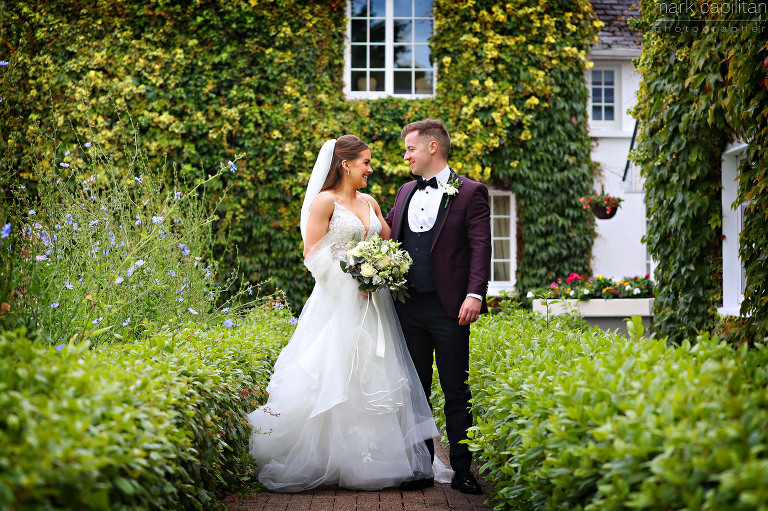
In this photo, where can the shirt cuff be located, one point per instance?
(473, 295)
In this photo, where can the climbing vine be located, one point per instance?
(208, 80)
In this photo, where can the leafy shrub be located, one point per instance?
(155, 424)
(589, 420)
(104, 247)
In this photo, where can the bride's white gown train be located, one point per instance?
(338, 414)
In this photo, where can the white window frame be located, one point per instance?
(496, 287)
(389, 57)
(733, 218)
(618, 112)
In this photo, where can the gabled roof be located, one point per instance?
(616, 34)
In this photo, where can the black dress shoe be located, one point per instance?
(417, 484)
(465, 482)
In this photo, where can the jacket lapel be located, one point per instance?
(442, 214)
(404, 209)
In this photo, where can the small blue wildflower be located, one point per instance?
(93, 222)
(62, 164)
(162, 234)
(118, 280)
(172, 273)
(138, 179)
(22, 187)
(127, 322)
(210, 295)
(32, 212)
(1, 100)
(58, 181)
(157, 220)
(278, 305)
(181, 299)
(6, 230)
(88, 144)
(225, 309)
(80, 280)
(138, 220)
(75, 226)
(177, 195)
(60, 346)
(54, 305)
(97, 320)
(3, 62)
(184, 249)
(293, 320)
(139, 263)
(191, 310)
(67, 153)
(232, 166)
(176, 220)
(228, 323)
(250, 290)
(157, 282)
(68, 286)
(130, 271)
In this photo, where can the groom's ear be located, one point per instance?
(433, 147)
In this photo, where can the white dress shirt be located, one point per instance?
(425, 206)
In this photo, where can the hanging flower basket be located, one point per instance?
(603, 205)
(604, 212)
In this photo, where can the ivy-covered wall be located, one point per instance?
(704, 84)
(205, 81)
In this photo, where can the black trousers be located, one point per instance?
(429, 330)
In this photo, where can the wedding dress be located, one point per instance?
(339, 414)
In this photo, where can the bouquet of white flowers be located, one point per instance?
(377, 264)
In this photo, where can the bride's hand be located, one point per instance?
(365, 295)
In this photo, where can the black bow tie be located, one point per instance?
(422, 183)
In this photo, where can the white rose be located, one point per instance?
(355, 252)
(367, 270)
(377, 280)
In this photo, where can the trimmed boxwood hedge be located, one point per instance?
(154, 424)
(585, 419)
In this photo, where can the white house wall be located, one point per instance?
(618, 250)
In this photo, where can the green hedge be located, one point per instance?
(155, 424)
(584, 419)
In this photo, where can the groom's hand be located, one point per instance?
(470, 310)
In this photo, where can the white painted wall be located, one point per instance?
(618, 250)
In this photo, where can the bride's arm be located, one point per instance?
(319, 218)
(385, 230)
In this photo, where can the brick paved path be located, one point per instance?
(439, 498)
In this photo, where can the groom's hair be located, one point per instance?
(431, 129)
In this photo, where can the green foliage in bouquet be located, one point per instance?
(264, 78)
(586, 419)
(155, 424)
(702, 87)
(378, 264)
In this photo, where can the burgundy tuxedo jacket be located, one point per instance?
(461, 246)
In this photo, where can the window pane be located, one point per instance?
(422, 31)
(500, 207)
(501, 227)
(597, 113)
(424, 82)
(403, 8)
(359, 31)
(608, 76)
(501, 271)
(403, 82)
(608, 113)
(423, 56)
(597, 95)
(403, 56)
(359, 7)
(423, 9)
(403, 31)
(377, 81)
(358, 81)
(500, 249)
(378, 8)
(597, 77)
(377, 31)
(609, 95)
(377, 55)
(358, 56)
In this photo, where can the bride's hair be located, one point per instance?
(348, 147)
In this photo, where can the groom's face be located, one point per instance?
(418, 153)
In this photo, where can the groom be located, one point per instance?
(443, 222)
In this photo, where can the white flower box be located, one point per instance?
(607, 314)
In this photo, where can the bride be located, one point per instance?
(339, 413)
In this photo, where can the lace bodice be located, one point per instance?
(346, 226)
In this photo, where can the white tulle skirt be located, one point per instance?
(345, 405)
